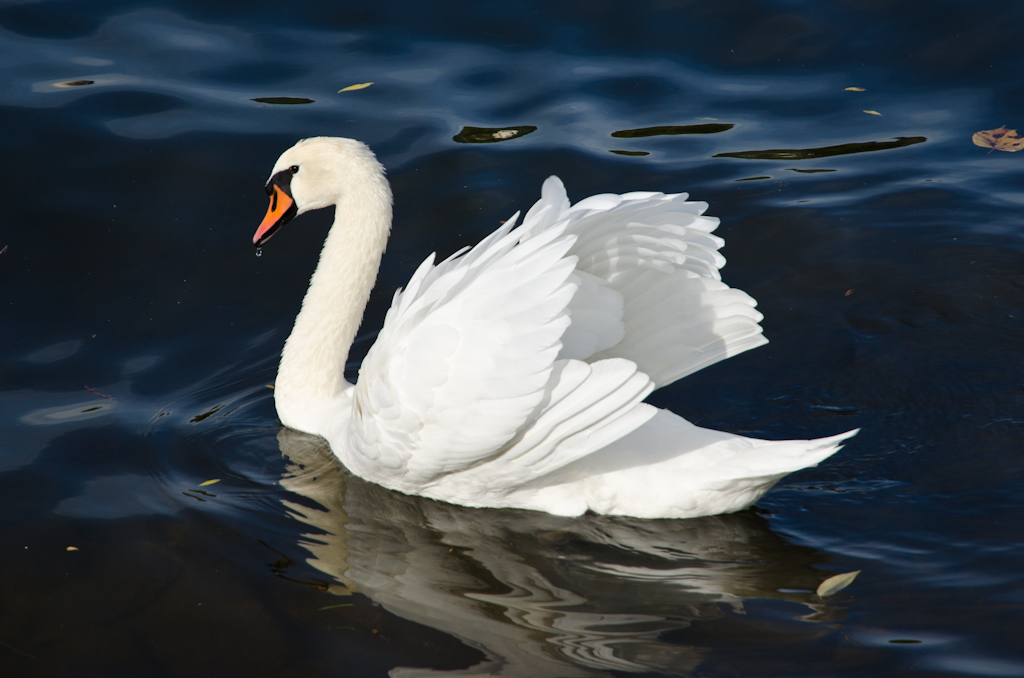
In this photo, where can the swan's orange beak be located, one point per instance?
(281, 210)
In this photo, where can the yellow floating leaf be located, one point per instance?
(872, 112)
(362, 85)
(836, 583)
(1001, 139)
(270, 386)
(209, 482)
(854, 89)
(72, 548)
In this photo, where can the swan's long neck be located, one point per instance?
(312, 367)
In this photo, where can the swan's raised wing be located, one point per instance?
(658, 252)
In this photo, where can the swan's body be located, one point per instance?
(513, 375)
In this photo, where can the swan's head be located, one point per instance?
(315, 173)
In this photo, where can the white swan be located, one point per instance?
(513, 374)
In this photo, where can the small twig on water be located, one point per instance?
(98, 393)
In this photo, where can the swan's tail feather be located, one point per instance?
(669, 468)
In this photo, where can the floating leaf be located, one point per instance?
(872, 112)
(334, 607)
(825, 151)
(270, 386)
(1001, 139)
(71, 548)
(362, 85)
(854, 89)
(205, 415)
(288, 101)
(809, 171)
(209, 482)
(489, 135)
(664, 130)
(74, 83)
(630, 152)
(836, 583)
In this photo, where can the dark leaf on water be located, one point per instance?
(283, 100)
(809, 171)
(711, 128)
(73, 83)
(630, 152)
(824, 151)
(209, 413)
(754, 178)
(490, 135)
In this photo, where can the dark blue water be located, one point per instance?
(139, 332)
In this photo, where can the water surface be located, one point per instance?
(140, 332)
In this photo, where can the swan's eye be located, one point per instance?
(294, 169)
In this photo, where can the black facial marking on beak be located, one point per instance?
(282, 206)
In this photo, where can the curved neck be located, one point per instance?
(313, 360)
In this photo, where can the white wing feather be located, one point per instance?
(463, 359)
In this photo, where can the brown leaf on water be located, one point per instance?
(836, 583)
(71, 548)
(350, 88)
(1001, 139)
(854, 89)
(872, 112)
(209, 482)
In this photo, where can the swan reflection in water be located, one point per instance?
(539, 595)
